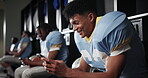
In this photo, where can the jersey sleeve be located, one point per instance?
(54, 42)
(119, 41)
(25, 42)
(113, 37)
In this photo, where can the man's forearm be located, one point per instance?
(74, 73)
(33, 63)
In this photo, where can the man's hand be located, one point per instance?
(26, 61)
(56, 67)
(15, 54)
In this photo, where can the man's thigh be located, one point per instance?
(36, 72)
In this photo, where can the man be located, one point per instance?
(24, 50)
(52, 47)
(13, 46)
(108, 43)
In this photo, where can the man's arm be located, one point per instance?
(83, 66)
(32, 63)
(59, 68)
(114, 67)
(23, 47)
(53, 54)
(38, 62)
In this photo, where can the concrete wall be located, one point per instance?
(1, 28)
(12, 12)
(109, 5)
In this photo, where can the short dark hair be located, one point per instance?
(44, 26)
(14, 40)
(79, 7)
(27, 32)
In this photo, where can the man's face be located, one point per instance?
(81, 24)
(42, 33)
(13, 40)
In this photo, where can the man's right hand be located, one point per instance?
(56, 67)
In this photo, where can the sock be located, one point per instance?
(10, 71)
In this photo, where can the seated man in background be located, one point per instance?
(13, 46)
(53, 47)
(24, 50)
